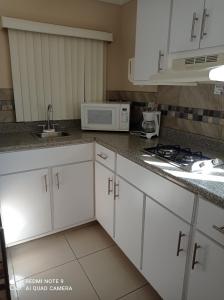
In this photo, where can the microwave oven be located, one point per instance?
(105, 116)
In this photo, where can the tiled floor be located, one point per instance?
(85, 262)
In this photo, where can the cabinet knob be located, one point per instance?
(219, 229)
(116, 190)
(110, 186)
(179, 249)
(159, 61)
(45, 182)
(194, 260)
(58, 180)
(194, 20)
(205, 16)
(102, 155)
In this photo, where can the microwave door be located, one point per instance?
(102, 118)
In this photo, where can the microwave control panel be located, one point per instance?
(124, 116)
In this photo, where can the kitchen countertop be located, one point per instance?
(209, 186)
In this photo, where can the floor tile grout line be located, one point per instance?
(83, 270)
(51, 268)
(94, 252)
(139, 288)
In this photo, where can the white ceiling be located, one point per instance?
(118, 2)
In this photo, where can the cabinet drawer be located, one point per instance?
(211, 220)
(105, 156)
(175, 198)
(40, 158)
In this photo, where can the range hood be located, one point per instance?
(207, 69)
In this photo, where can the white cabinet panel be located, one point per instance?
(206, 279)
(213, 33)
(25, 205)
(73, 194)
(175, 198)
(161, 265)
(105, 156)
(152, 30)
(128, 220)
(104, 195)
(40, 158)
(186, 25)
(211, 220)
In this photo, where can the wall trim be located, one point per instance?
(25, 25)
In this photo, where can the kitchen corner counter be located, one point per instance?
(210, 186)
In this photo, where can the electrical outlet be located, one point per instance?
(219, 89)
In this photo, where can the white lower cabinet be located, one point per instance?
(207, 270)
(25, 205)
(164, 250)
(128, 220)
(104, 192)
(72, 194)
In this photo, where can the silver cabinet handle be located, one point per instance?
(219, 229)
(102, 155)
(110, 186)
(58, 181)
(116, 190)
(205, 16)
(179, 249)
(45, 182)
(194, 260)
(159, 61)
(194, 20)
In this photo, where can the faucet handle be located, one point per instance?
(42, 125)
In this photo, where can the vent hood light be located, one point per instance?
(190, 76)
(217, 74)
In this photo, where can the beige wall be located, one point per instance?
(92, 14)
(78, 13)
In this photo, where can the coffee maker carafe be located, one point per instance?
(151, 123)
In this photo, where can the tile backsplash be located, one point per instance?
(7, 107)
(194, 109)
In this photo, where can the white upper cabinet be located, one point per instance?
(196, 24)
(212, 31)
(186, 25)
(152, 32)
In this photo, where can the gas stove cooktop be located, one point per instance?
(184, 158)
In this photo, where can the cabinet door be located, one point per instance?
(212, 31)
(206, 279)
(73, 194)
(186, 25)
(128, 220)
(104, 194)
(25, 205)
(164, 251)
(152, 30)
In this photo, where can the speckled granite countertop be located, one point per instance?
(209, 186)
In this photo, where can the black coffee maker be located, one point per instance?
(136, 116)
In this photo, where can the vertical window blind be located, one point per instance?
(52, 69)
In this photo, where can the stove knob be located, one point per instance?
(215, 162)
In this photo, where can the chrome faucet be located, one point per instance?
(49, 117)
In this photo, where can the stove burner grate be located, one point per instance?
(176, 154)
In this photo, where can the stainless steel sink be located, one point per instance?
(51, 134)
